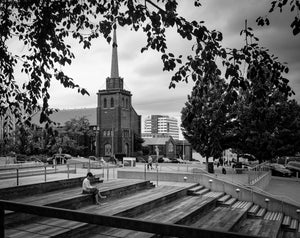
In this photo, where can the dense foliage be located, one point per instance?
(44, 27)
(259, 119)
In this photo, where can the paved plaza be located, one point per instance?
(283, 188)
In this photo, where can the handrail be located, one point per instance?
(258, 166)
(25, 167)
(165, 229)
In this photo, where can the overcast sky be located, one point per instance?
(142, 72)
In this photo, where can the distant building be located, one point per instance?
(150, 135)
(117, 122)
(169, 147)
(156, 125)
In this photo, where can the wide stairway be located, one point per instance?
(192, 205)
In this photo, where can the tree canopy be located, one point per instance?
(44, 27)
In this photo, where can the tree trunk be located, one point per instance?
(207, 163)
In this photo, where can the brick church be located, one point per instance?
(117, 121)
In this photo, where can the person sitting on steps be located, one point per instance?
(87, 188)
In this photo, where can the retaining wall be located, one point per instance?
(246, 193)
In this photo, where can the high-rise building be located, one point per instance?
(117, 121)
(161, 125)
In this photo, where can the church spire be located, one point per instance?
(114, 60)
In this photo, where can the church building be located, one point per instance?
(117, 122)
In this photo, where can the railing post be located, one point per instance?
(17, 177)
(157, 176)
(145, 171)
(68, 170)
(2, 228)
(45, 173)
(107, 174)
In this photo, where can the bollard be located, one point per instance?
(68, 167)
(184, 179)
(238, 193)
(298, 213)
(210, 183)
(267, 200)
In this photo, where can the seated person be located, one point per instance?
(88, 188)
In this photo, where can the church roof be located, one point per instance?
(156, 141)
(62, 116)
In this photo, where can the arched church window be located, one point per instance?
(112, 102)
(123, 102)
(105, 103)
(107, 149)
(126, 102)
(171, 147)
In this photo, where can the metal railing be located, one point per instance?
(163, 229)
(257, 172)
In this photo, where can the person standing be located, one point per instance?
(87, 188)
(150, 162)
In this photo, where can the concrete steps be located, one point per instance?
(223, 199)
(261, 212)
(73, 198)
(286, 221)
(193, 190)
(253, 210)
(201, 192)
(129, 206)
(229, 202)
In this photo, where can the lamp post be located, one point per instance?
(183, 149)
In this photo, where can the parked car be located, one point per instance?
(142, 159)
(164, 160)
(294, 167)
(280, 170)
(175, 161)
(59, 159)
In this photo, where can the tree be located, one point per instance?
(137, 144)
(44, 26)
(204, 122)
(77, 132)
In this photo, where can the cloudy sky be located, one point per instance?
(142, 72)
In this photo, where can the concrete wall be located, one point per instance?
(246, 193)
(31, 189)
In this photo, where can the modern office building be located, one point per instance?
(156, 125)
(117, 122)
